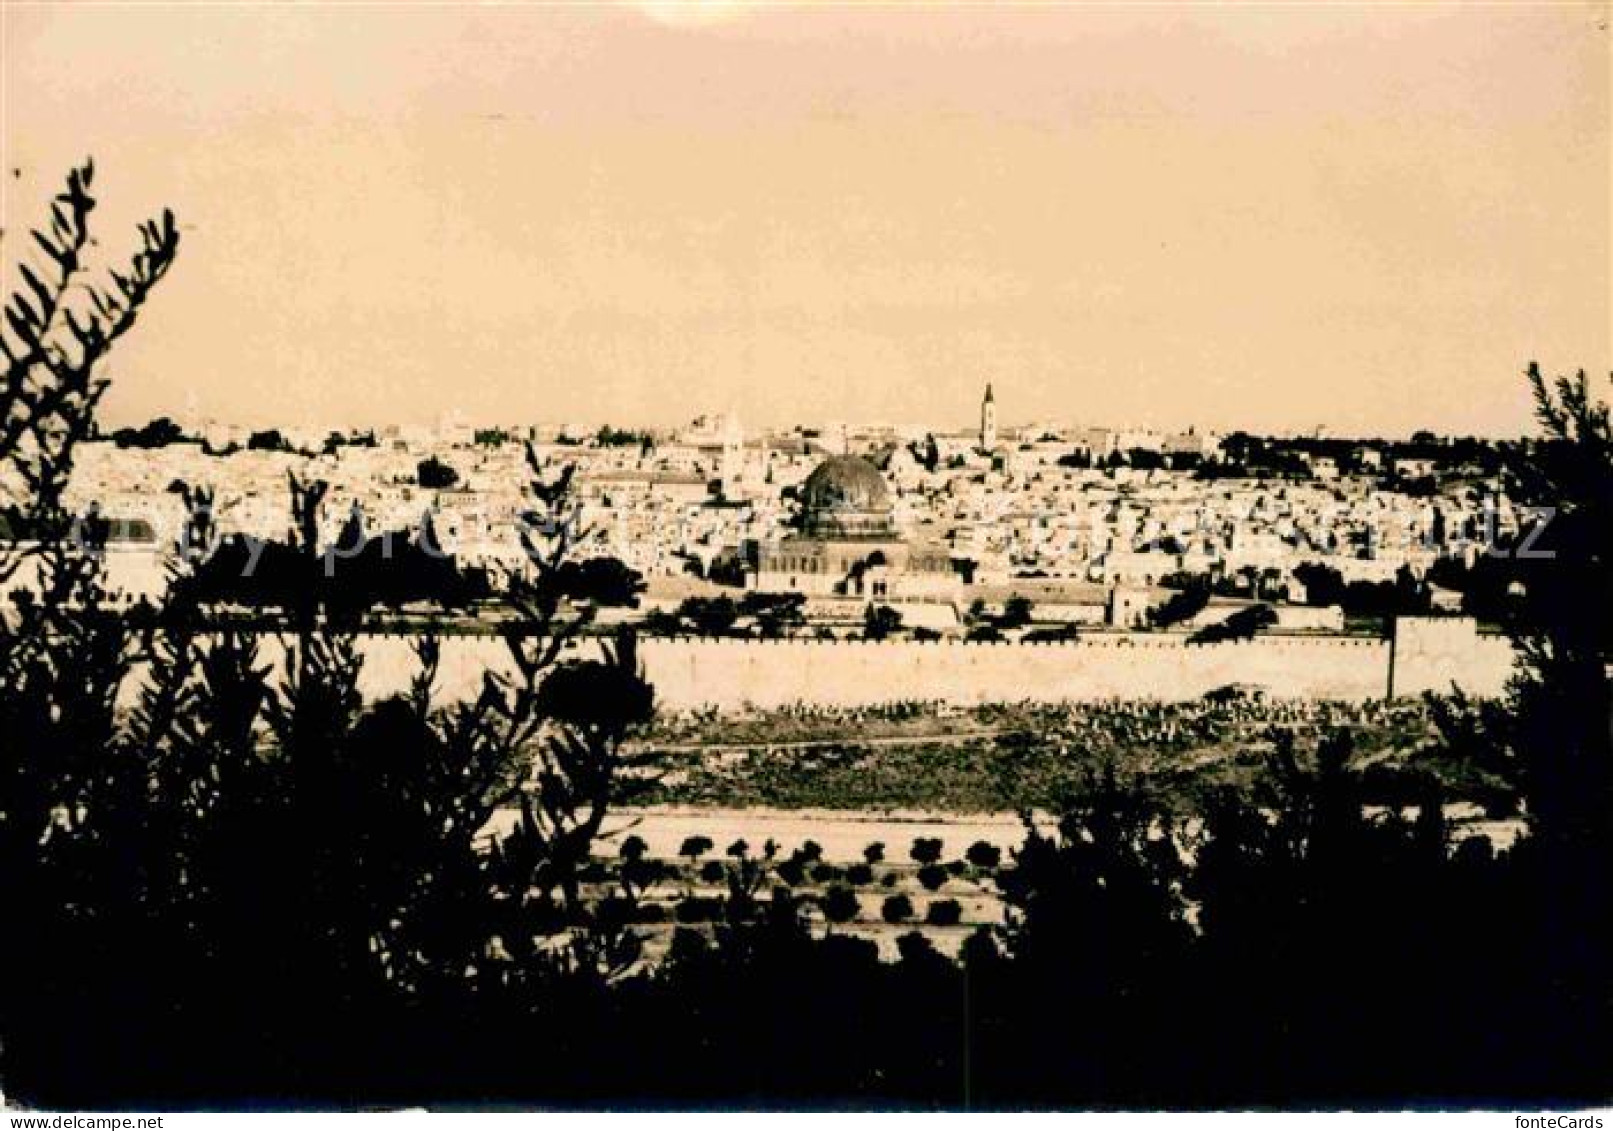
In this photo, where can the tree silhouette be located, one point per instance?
(1241, 625)
(1017, 612)
(896, 909)
(839, 904)
(435, 475)
(881, 621)
(695, 847)
(1183, 605)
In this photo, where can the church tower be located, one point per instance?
(988, 421)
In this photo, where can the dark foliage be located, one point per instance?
(943, 913)
(1241, 625)
(896, 909)
(356, 573)
(983, 855)
(881, 621)
(1181, 606)
(158, 433)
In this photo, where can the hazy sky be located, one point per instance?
(1272, 217)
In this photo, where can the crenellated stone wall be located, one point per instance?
(731, 674)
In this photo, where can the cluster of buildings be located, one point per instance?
(933, 521)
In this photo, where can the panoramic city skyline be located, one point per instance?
(1365, 220)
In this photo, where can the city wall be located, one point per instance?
(1431, 653)
(732, 674)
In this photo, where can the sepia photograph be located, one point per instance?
(825, 556)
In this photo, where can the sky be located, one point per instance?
(1363, 219)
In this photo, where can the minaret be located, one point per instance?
(988, 421)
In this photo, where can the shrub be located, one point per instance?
(943, 913)
(840, 904)
(1182, 606)
(1241, 625)
(695, 909)
(639, 873)
(687, 945)
(695, 847)
(431, 473)
(915, 948)
(881, 621)
(589, 693)
(979, 948)
(984, 856)
(1016, 612)
(1052, 634)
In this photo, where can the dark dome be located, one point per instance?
(846, 496)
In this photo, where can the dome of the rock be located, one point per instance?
(846, 497)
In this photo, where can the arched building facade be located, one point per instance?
(847, 544)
